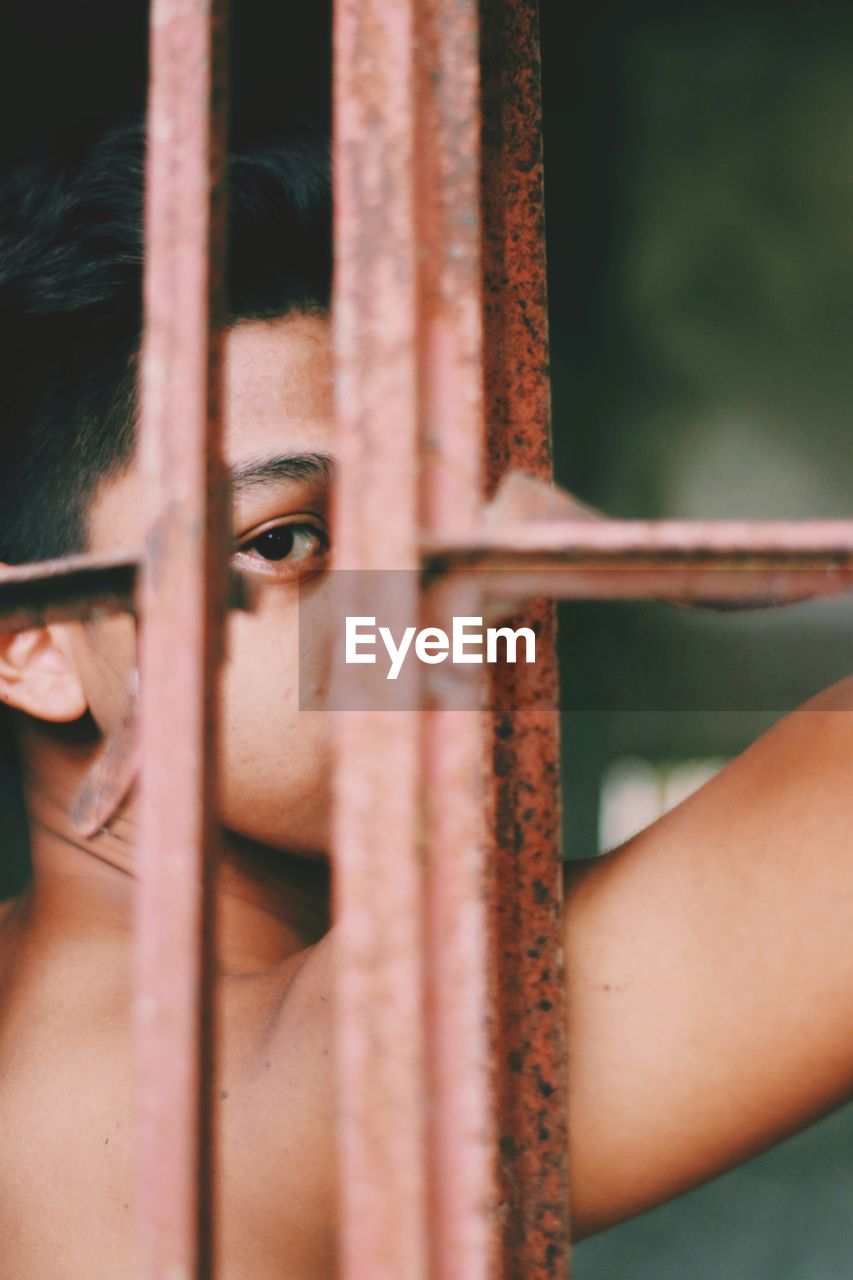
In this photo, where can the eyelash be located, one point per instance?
(286, 566)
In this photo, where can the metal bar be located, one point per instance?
(83, 586)
(751, 562)
(182, 599)
(773, 540)
(463, 1201)
(530, 1017)
(719, 583)
(378, 887)
(768, 556)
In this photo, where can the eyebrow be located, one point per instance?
(317, 468)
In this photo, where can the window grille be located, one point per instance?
(451, 1092)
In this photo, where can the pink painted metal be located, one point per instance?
(378, 889)
(769, 539)
(530, 1014)
(715, 585)
(758, 562)
(463, 1200)
(182, 604)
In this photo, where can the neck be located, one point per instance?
(269, 904)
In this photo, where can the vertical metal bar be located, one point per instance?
(462, 1141)
(183, 594)
(377, 871)
(533, 1114)
(409, 354)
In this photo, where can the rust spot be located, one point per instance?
(508, 1147)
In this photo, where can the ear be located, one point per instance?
(38, 675)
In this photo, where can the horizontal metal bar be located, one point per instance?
(575, 541)
(714, 561)
(718, 583)
(83, 586)
(610, 559)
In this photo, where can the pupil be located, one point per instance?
(275, 544)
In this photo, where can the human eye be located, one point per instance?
(285, 549)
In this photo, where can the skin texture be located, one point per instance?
(65, 949)
(710, 970)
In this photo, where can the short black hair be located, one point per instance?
(70, 305)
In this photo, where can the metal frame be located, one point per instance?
(452, 1139)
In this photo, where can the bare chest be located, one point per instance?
(67, 1155)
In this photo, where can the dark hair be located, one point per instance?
(70, 306)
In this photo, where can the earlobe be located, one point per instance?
(38, 675)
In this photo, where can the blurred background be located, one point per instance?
(700, 213)
(699, 169)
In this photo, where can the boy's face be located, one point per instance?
(274, 760)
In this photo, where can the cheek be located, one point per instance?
(274, 758)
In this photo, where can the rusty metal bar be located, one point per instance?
(182, 604)
(456, 768)
(530, 1017)
(378, 891)
(608, 560)
(774, 540)
(712, 561)
(82, 586)
(719, 584)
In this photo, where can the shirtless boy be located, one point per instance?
(710, 959)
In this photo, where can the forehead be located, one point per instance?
(278, 398)
(278, 385)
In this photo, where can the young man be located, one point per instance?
(710, 962)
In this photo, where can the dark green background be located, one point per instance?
(700, 205)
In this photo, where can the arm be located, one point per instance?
(710, 964)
